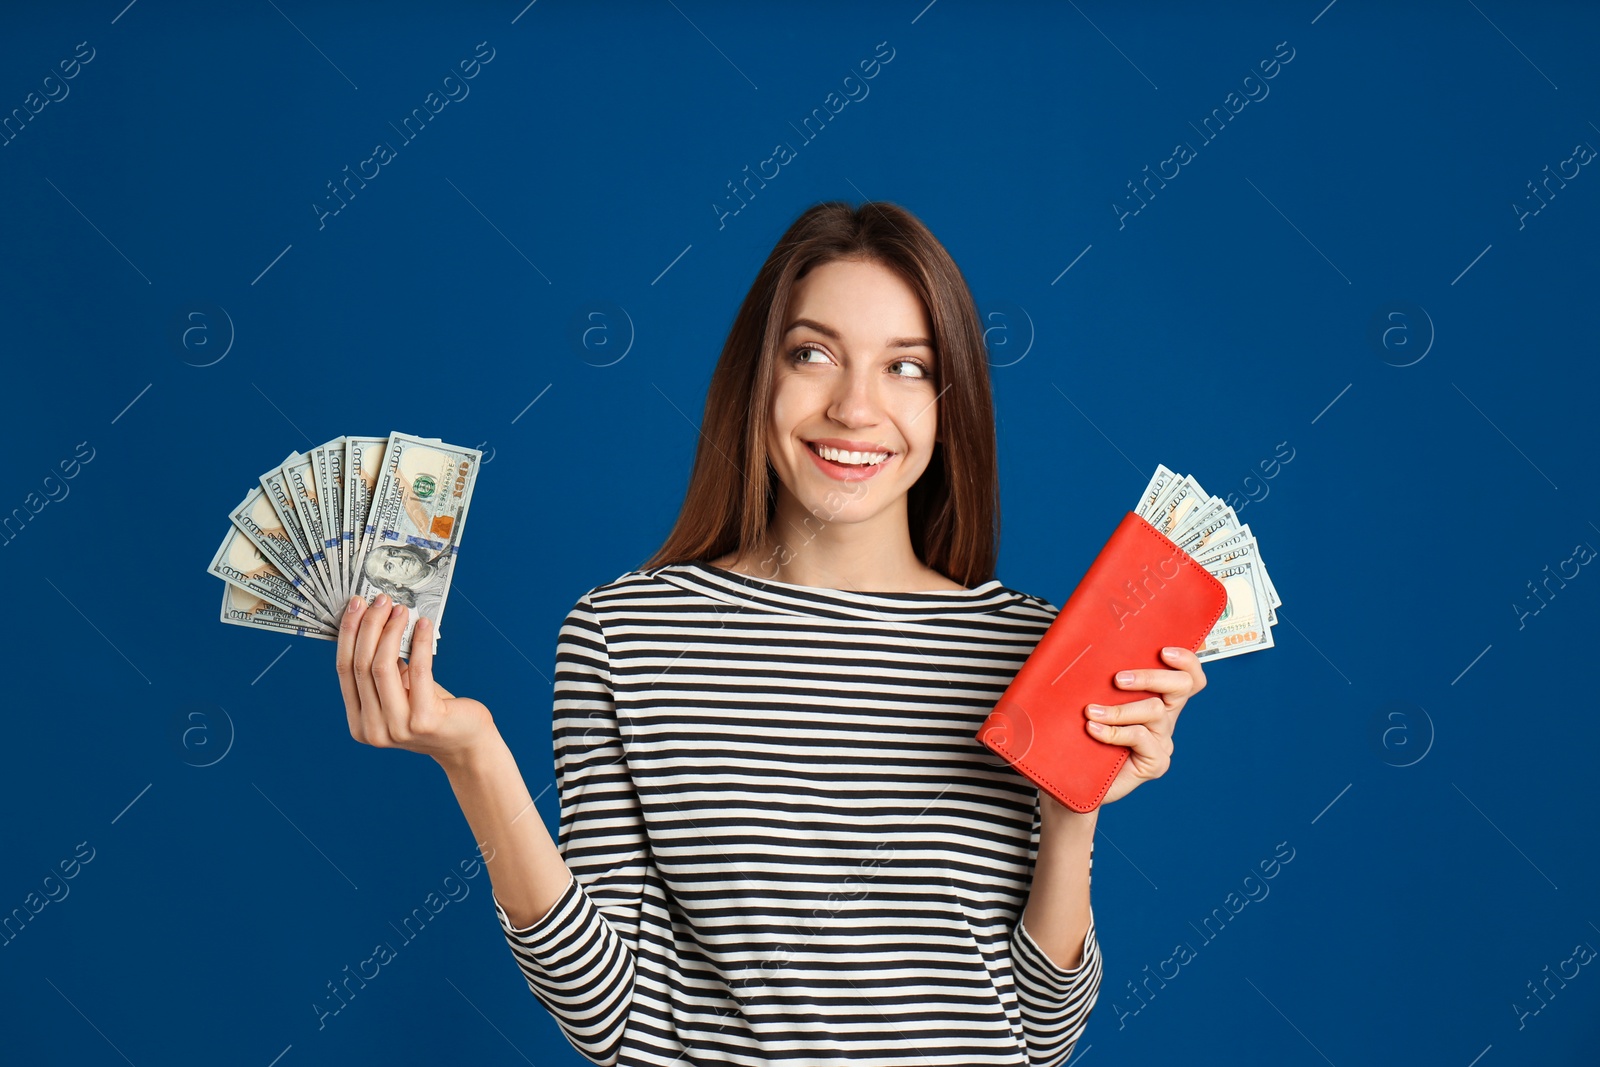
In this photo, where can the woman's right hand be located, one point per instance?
(394, 704)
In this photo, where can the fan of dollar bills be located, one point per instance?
(357, 516)
(1209, 531)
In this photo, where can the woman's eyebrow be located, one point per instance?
(832, 334)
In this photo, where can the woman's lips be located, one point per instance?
(842, 473)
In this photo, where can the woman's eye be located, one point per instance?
(799, 354)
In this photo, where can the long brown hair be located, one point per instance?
(953, 510)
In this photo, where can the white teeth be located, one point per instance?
(870, 459)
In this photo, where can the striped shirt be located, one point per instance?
(787, 845)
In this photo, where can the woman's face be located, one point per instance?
(858, 373)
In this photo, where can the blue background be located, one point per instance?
(1425, 750)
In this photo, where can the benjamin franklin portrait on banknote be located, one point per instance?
(407, 573)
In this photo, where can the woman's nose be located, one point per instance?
(856, 401)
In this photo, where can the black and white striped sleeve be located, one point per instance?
(579, 957)
(1055, 1001)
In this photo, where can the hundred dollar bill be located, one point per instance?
(367, 460)
(1225, 538)
(317, 465)
(371, 468)
(1214, 551)
(1210, 523)
(326, 463)
(1152, 492)
(302, 483)
(1174, 505)
(1266, 576)
(1239, 552)
(263, 526)
(1219, 551)
(239, 561)
(280, 494)
(245, 609)
(1223, 550)
(1243, 626)
(413, 526)
(362, 463)
(1203, 509)
(336, 453)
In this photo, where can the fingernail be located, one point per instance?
(397, 611)
(353, 602)
(1172, 653)
(1124, 677)
(1097, 711)
(1098, 727)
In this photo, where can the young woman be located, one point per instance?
(780, 840)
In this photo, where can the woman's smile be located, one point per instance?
(844, 471)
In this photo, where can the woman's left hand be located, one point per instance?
(1144, 726)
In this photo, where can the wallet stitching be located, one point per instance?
(1186, 561)
(1052, 785)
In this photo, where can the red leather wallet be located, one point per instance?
(1141, 594)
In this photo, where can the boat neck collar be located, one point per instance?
(787, 597)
